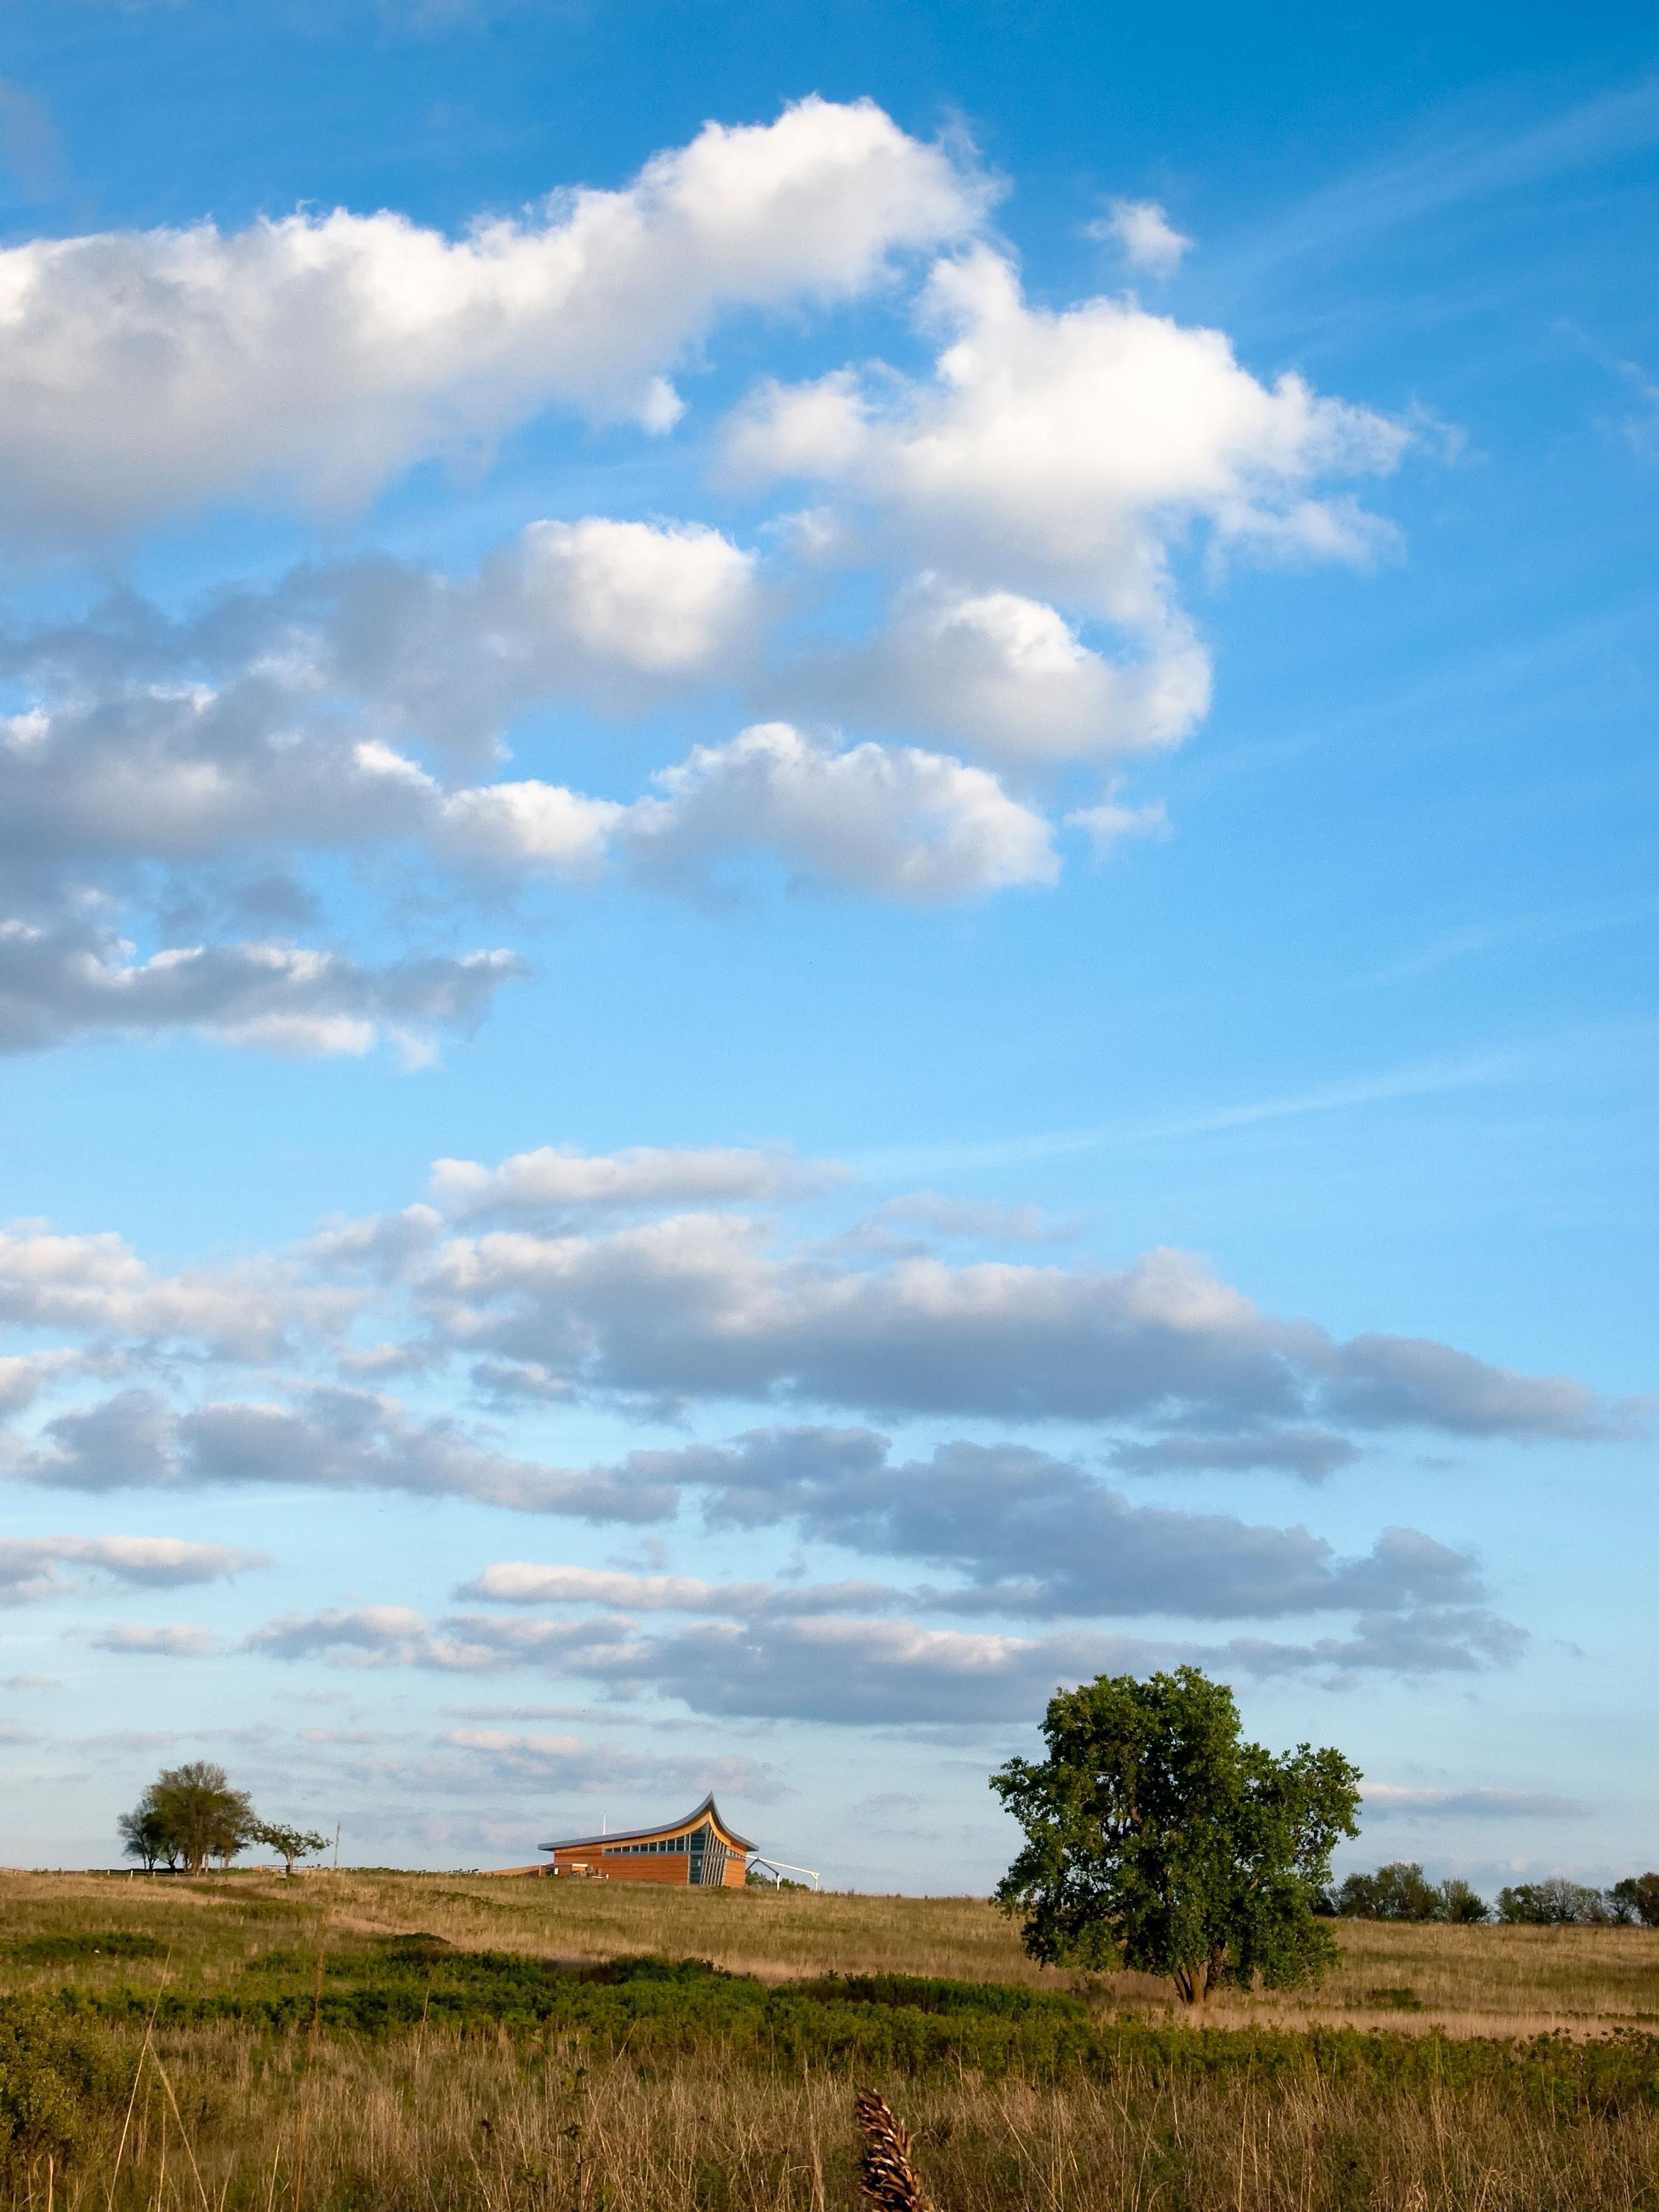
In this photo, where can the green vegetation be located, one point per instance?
(1402, 1891)
(1157, 1839)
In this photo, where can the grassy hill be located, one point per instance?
(1481, 1981)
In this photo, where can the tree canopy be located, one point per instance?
(1156, 1839)
(290, 1843)
(1402, 1891)
(190, 1815)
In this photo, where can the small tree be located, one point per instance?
(189, 1813)
(289, 1843)
(1400, 1891)
(1639, 1895)
(1155, 1839)
(1459, 1903)
(144, 1836)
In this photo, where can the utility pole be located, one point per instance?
(337, 1847)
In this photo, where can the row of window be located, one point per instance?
(695, 1842)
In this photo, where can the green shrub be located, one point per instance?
(109, 1943)
(55, 2074)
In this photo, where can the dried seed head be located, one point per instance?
(890, 2182)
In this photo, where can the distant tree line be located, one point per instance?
(190, 1815)
(1402, 1891)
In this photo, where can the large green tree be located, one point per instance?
(1156, 1839)
(189, 1813)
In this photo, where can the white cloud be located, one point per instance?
(848, 1672)
(1110, 823)
(334, 1439)
(1007, 678)
(396, 1635)
(60, 984)
(1386, 1800)
(96, 1287)
(621, 615)
(559, 1180)
(521, 1582)
(320, 355)
(1059, 456)
(698, 1305)
(31, 1566)
(891, 822)
(25, 1376)
(175, 1641)
(896, 822)
(1144, 234)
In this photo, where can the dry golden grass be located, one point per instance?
(1470, 1981)
(443, 2125)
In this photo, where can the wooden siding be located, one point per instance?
(630, 1857)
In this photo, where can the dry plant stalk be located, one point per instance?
(887, 2178)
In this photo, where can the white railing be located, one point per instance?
(778, 1868)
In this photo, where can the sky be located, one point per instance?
(825, 893)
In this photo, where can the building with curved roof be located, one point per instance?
(701, 1851)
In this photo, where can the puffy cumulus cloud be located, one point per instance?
(700, 1306)
(1008, 678)
(1143, 234)
(891, 822)
(1060, 456)
(622, 612)
(335, 1439)
(320, 355)
(895, 822)
(199, 779)
(175, 1641)
(96, 1287)
(560, 1180)
(1067, 447)
(619, 614)
(1388, 1801)
(35, 1566)
(62, 983)
(274, 717)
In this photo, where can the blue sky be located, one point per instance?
(826, 848)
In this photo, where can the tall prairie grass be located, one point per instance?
(369, 2043)
(449, 2124)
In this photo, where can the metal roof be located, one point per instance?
(660, 1828)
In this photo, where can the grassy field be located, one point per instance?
(1468, 1981)
(353, 2042)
